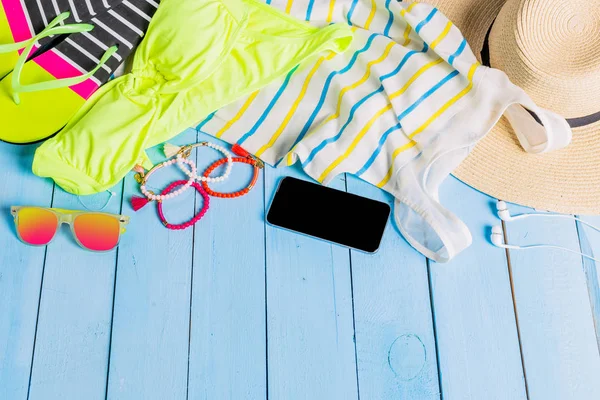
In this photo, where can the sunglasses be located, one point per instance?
(37, 226)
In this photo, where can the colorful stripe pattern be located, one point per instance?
(116, 22)
(29, 17)
(362, 112)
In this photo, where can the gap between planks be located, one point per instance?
(512, 292)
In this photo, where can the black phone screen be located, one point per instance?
(329, 214)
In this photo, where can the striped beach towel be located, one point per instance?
(404, 59)
(408, 92)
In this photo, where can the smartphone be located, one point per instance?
(329, 214)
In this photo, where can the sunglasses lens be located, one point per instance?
(98, 232)
(36, 226)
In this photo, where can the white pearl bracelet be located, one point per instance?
(154, 197)
(181, 159)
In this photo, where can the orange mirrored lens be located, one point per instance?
(36, 226)
(97, 232)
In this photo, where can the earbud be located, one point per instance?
(503, 212)
(497, 239)
(497, 236)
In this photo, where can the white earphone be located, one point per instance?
(504, 215)
(497, 236)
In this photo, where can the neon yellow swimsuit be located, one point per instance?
(196, 57)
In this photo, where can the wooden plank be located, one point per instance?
(589, 243)
(71, 350)
(395, 341)
(149, 349)
(21, 269)
(228, 335)
(311, 352)
(555, 318)
(478, 346)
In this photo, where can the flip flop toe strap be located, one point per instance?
(55, 84)
(51, 29)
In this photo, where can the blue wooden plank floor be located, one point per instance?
(237, 309)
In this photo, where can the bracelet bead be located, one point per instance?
(215, 165)
(169, 191)
(181, 157)
(154, 197)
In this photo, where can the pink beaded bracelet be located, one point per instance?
(196, 218)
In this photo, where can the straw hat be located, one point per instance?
(551, 49)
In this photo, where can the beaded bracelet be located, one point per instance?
(239, 193)
(142, 178)
(246, 158)
(196, 218)
(184, 153)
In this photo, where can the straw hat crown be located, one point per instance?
(551, 48)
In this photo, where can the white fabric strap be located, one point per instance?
(424, 222)
(430, 228)
(554, 133)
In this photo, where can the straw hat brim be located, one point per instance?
(564, 181)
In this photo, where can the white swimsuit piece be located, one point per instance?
(400, 109)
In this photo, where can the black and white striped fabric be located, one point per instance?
(40, 13)
(123, 25)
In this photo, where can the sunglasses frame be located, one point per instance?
(68, 217)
